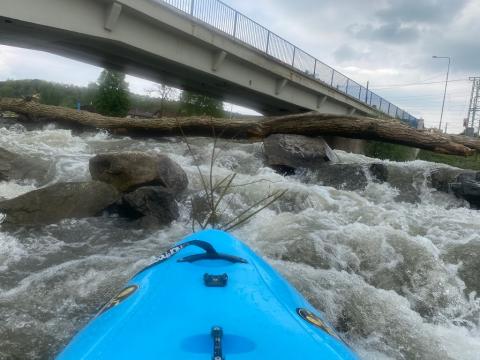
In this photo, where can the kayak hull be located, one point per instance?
(167, 311)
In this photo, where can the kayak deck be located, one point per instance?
(171, 312)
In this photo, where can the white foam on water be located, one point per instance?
(375, 266)
(11, 251)
(11, 189)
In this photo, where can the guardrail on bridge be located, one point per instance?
(228, 20)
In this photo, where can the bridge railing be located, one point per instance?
(226, 19)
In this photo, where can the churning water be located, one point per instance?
(398, 279)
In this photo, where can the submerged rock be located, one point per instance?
(467, 189)
(153, 206)
(285, 153)
(441, 178)
(19, 167)
(342, 176)
(60, 201)
(128, 171)
(464, 184)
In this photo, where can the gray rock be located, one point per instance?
(60, 201)
(465, 184)
(128, 171)
(440, 179)
(467, 189)
(407, 181)
(19, 167)
(379, 172)
(340, 176)
(354, 177)
(287, 152)
(153, 205)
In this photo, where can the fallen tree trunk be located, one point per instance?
(472, 143)
(309, 124)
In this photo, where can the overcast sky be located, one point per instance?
(389, 43)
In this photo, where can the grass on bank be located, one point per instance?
(462, 162)
(384, 151)
(392, 152)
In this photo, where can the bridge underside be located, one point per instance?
(159, 44)
(109, 54)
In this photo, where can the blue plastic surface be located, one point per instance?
(171, 313)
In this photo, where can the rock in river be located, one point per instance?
(465, 184)
(60, 201)
(153, 206)
(19, 167)
(288, 152)
(128, 171)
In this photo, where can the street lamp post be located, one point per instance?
(446, 85)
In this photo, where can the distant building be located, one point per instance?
(470, 131)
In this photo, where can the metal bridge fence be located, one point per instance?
(228, 20)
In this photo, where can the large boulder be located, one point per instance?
(441, 178)
(60, 201)
(153, 206)
(128, 171)
(20, 167)
(468, 188)
(285, 152)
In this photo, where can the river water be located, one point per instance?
(382, 270)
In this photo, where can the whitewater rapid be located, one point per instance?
(380, 269)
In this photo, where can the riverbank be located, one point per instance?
(462, 162)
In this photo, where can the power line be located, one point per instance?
(449, 95)
(381, 87)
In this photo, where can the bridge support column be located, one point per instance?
(281, 83)
(352, 111)
(113, 14)
(321, 101)
(218, 59)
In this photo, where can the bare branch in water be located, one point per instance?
(213, 213)
(223, 186)
(195, 161)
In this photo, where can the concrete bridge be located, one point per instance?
(198, 45)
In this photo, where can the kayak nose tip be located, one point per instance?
(212, 235)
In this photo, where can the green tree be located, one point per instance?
(195, 104)
(112, 98)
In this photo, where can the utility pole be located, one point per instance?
(474, 107)
(446, 85)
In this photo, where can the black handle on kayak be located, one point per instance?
(209, 254)
(217, 335)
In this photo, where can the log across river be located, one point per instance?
(255, 129)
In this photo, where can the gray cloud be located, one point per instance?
(421, 11)
(345, 53)
(391, 32)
